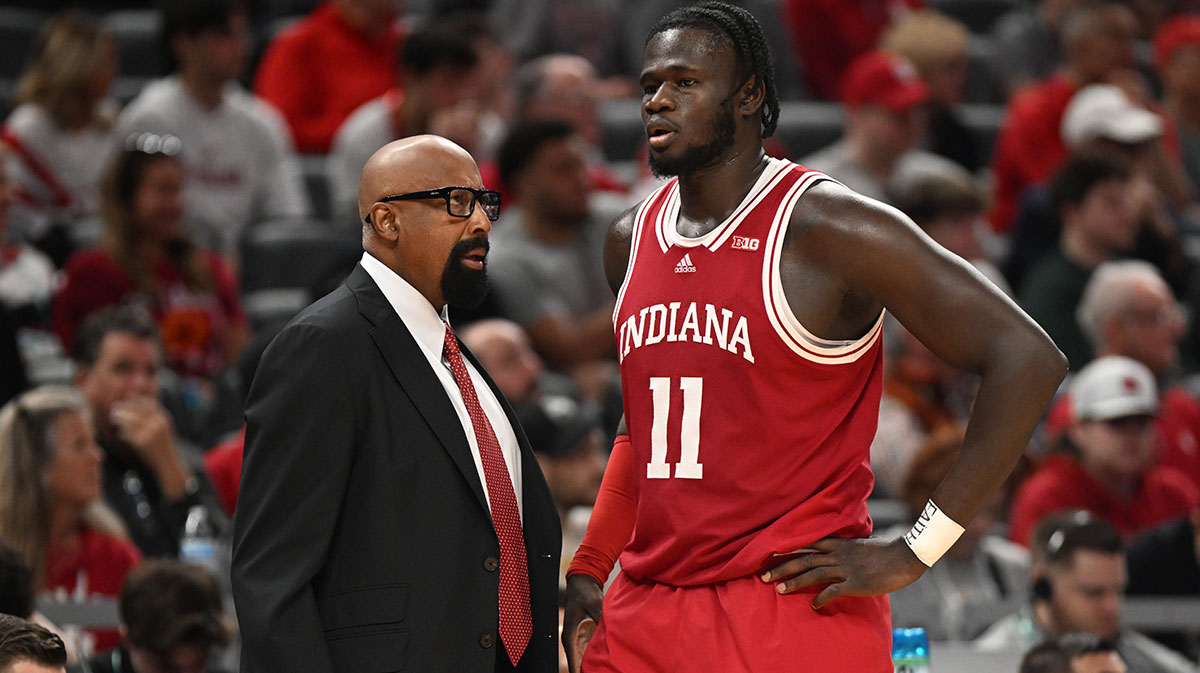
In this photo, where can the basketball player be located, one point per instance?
(750, 296)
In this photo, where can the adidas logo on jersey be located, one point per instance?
(685, 265)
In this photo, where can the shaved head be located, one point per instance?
(399, 165)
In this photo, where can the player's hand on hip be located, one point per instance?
(848, 567)
(584, 599)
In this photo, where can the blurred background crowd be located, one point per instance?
(178, 178)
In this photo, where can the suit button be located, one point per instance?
(487, 640)
(490, 564)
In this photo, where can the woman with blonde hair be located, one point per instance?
(61, 130)
(51, 509)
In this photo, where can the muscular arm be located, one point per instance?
(845, 258)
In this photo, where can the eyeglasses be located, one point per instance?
(460, 201)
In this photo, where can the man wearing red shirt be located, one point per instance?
(1107, 462)
(1099, 40)
(322, 68)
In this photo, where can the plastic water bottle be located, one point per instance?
(910, 651)
(199, 542)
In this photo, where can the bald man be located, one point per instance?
(392, 515)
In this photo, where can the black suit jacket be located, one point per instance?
(362, 540)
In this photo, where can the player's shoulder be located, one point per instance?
(830, 208)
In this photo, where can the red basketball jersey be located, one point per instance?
(750, 434)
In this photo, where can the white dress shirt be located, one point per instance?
(426, 326)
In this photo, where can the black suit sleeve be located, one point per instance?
(299, 450)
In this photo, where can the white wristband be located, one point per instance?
(933, 534)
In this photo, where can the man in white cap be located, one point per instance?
(1105, 458)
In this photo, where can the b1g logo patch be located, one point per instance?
(745, 243)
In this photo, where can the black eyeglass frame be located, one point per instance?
(444, 193)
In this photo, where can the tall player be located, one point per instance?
(750, 295)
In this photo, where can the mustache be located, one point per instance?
(466, 245)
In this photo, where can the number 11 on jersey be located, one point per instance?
(689, 466)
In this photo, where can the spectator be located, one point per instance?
(1078, 585)
(1102, 119)
(26, 647)
(545, 263)
(566, 437)
(16, 593)
(951, 210)
(147, 479)
(172, 619)
(830, 34)
(1098, 37)
(1105, 458)
(236, 149)
(936, 45)
(147, 258)
(885, 121)
(1127, 309)
(503, 349)
(1028, 43)
(434, 93)
(323, 67)
(51, 507)
(1092, 195)
(1165, 561)
(1073, 653)
(980, 579)
(61, 132)
(1177, 61)
(27, 276)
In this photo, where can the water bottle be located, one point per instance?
(910, 651)
(199, 542)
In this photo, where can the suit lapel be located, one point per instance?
(410, 368)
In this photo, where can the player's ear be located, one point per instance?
(753, 94)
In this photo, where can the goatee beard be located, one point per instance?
(463, 287)
(695, 158)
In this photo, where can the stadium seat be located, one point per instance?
(316, 181)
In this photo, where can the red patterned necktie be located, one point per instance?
(516, 626)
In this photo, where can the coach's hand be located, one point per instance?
(848, 567)
(583, 601)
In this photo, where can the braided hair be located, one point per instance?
(744, 34)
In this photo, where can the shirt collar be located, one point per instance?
(413, 308)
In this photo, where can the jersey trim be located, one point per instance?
(803, 342)
(668, 230)
(639, 225)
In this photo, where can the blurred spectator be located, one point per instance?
(1177, 60)
(1028, 43)
(829, 35)
(1165, 561)
(923, 398)
(1104, 462)
(51, 509)
(546, 261)
(16, 593)
(1078, 584)
(503, 349)
(1099, 41)
(590, 28)
(172, 620)
(1127, 309)
(1092, 195)
(565, 87)
(951, 210)
(1073, 653)
(323, 67)
(147, 478)
(147, 258)
(61, 132)
(886, 119)
(1102, 119)
(980, 579)
(27, 276)
(236, 149)
(936, 45)
(566, 437)
(439, 79)
(26, 647)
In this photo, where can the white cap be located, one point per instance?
(1113, 387)
(1104, 111)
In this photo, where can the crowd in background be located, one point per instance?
(178, 178)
